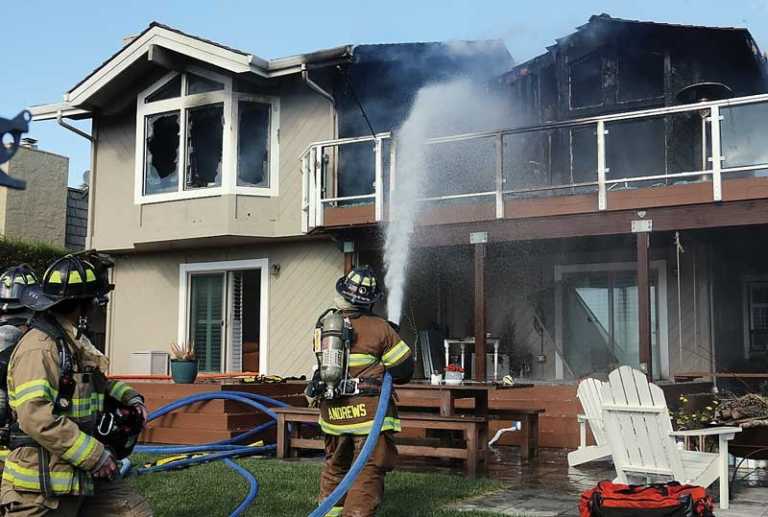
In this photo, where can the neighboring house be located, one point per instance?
(36, 213)
(197, 187)
(77, 218)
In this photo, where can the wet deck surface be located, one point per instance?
(547, 487)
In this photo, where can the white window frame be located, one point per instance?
(657, 266)
(186, 270)
(746, 280)
(230, 99)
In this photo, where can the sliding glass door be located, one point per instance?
(206, 322)
(600, 321)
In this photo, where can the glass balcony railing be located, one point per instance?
(694, 143)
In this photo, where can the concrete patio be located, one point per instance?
(547, 487)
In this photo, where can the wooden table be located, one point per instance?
(449, 393)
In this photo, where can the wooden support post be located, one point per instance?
(349, 262)
(644, 302)
(479, 363)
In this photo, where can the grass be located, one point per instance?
(290, 489)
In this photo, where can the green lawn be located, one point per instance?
(290, 489)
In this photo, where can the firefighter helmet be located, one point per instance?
(68, 278)
(13, 282)
(360, 286)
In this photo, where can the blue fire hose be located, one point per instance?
(365, 452)
(222, 450)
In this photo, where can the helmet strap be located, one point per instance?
(82, 326)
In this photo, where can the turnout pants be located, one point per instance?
(366, 493)
(115, 498)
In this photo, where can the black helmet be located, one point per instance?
(68, 278)
(13, 282)
(360, 286)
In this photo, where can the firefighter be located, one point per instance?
(57, 387)
(13, 282)
(346, 420)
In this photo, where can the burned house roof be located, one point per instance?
(598, 26)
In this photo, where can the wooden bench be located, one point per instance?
(289, 443)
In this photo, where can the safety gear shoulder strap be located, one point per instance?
(67, 382)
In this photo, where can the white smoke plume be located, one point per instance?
(438, 110)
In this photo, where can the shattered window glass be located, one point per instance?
(198, 84)
(161, 154)
(169, 90)
(204, 140)
(587, 82)
(253, 144)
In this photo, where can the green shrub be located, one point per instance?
(37, 255)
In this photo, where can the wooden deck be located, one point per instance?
(212, 420)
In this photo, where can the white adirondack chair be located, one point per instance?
(591, 398)
(641, 440)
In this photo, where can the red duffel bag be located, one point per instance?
(663, 500)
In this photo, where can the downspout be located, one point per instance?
(91, 175)
(312, 85)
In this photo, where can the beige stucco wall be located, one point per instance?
(119, 224)
(145, 304)
(39, 212)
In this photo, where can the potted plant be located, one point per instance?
(183, 363)
(454, 374)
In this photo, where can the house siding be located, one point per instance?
(145, 305)
(119, 224)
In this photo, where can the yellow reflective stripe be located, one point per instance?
(86, 407)
(39, 388)
(29, 479)
(358, 360)
(118, 389)
(335, 511)
(80, 450)
(396, 354)
(390, 424)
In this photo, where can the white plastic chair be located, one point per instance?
(590, 396)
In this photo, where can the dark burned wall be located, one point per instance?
(386, 79)
(739, 257)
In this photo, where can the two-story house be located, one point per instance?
(196, 184)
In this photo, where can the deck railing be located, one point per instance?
(702, 142)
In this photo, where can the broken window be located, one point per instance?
(169, 90)
(199, 84)
(253, 144)
(641, 76)
(204, 145)
(161, 153)
(586, 81)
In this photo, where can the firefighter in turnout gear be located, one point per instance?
(348, 407)
(57, 389)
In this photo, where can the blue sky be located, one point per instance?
(49, 46)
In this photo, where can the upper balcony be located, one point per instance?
(679, 155)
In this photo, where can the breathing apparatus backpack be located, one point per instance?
(9, 337)
(117, 426)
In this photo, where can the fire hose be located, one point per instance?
(224, 450)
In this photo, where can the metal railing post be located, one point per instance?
(602, 196)
(717, 158)
(379, 180)
(318, 166)
(304, 194)
(499, 176)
